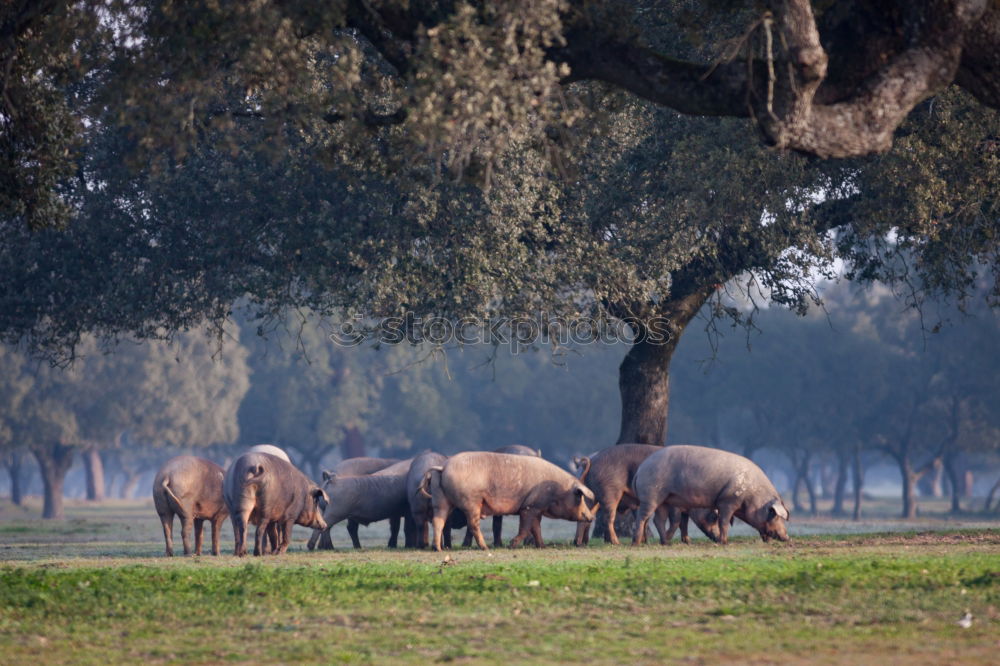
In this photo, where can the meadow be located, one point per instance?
(96, 588)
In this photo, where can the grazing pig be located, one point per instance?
(609, 474)
(481, 484)
(191, 488)
(511, 450)
(692, 477)
(260, 488)
(359, 466)
(364, 500)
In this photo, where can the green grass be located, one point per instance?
(893, 597)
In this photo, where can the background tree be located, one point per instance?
(159, 394)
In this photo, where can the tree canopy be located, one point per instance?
(458, 83)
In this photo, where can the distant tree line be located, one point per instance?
(822, 398)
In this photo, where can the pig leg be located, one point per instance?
(186, 524)
(285, 534)
(352, 529)
(423, 533)
(497, 531)
(467, 539)
(684, 527)
(582, 533)
(259, 536)
(239, 534)
(536, 532)
(474, 517)
(274, 535)
(642, 516)
(393, 532)
(612, 504)
(199, 526)
(524, 527)
(216, 531)
(725, 518)
(660, 521)
(442, 511)
(409, 532)
(674, 516)
(168, 537)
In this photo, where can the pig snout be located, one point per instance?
(774, 530)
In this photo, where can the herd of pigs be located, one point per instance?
(668, 484)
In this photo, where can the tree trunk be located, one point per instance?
(840, 485)
(930, 484)
(129, 483)
(353, 445)
(53, 463)
(910, 478)
(955, 481)
(644, 384)
(94, 469)
(811, 491)
(990, 495)
(858, 478)
(644, 373)
(15, 468)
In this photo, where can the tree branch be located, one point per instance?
(780, 93)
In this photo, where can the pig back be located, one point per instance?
(613, 469)
(498, 477)
(696, 476)
(362, 465)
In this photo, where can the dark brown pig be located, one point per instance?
(495, 484)
(260, 489)
(190, 488)
(693, 477)
(609, 474)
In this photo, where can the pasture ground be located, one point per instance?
(95, 588)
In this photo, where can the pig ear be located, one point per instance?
(327, 475)
(322, 499)
(777, 509)
(583, 491)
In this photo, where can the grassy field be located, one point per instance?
(96, 589)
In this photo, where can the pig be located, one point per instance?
(272, 529)
(693, 477)
(260, 488)
(421, 510)
(364, 500)
(513, 450)
(481, 483)
(359, 466)
(190, 488)
(609, 474)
